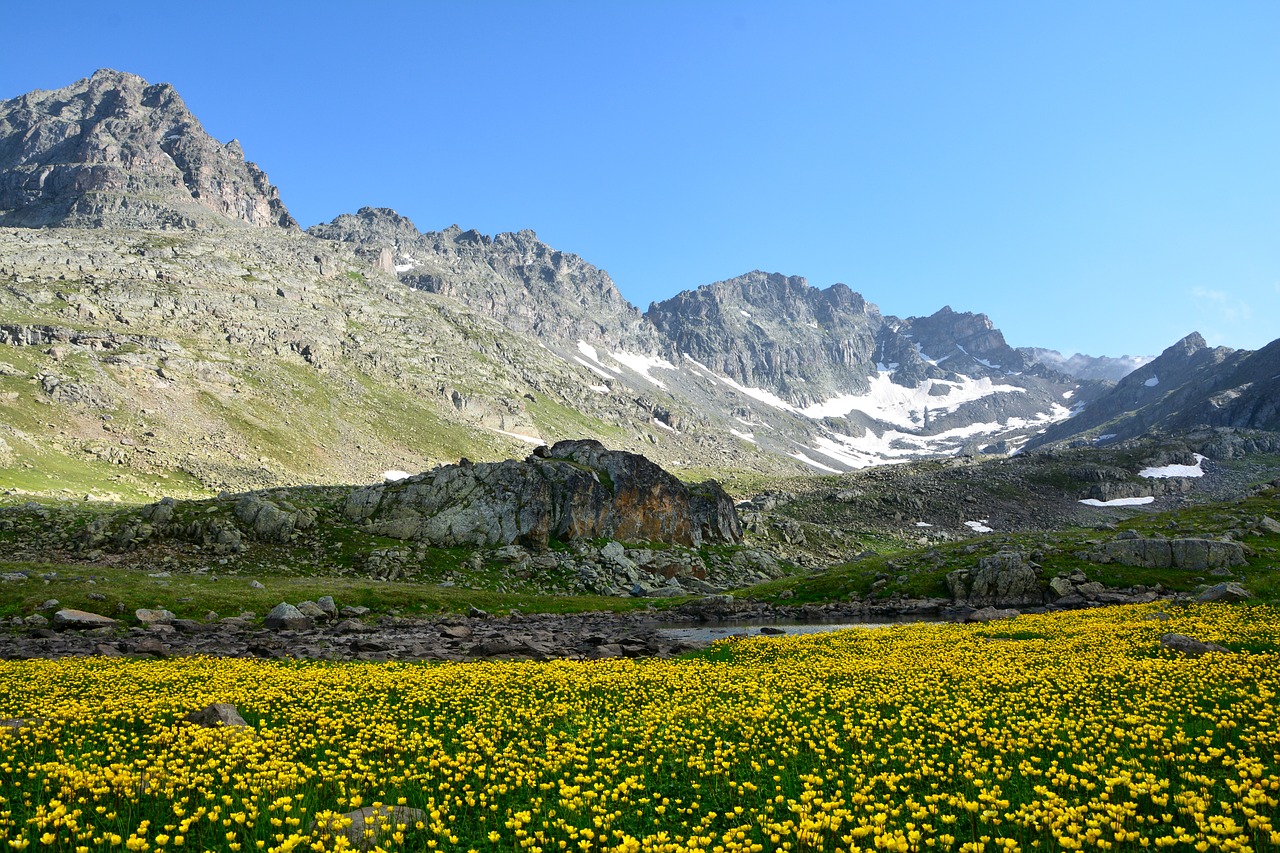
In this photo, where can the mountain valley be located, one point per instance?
(191, 383)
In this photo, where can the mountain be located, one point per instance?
(517, 279)
(1086, 366)
(177, 333)
(114, 150)
(1190, 384)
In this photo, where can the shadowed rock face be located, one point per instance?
(115, 150)
(575, 490)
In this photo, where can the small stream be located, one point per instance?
(706, 634)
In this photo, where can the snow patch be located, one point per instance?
(892, 403)
(1117, 501)
(1152, 382)
(923, 524)
(589, 351)
(527, 439)
(395, 476)
(589, 366)
(744, 313)
(1166, 471)
(979, 526)
(745, 436)
(667, 427)
(642, 364)
(599, 389)
(806, 460)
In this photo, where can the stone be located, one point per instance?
(771, 631)
(327, 604)
(1005, 579)
(256, 585)
(575, 490)
(1188, 646)
(992, 614)
(354, 611)
(1062, 586)
(285, 616)
(217, 714)
(1269, 524)
(1229, 592)
(81, 620)
(154, 617)
(365, 828)
(1193, 555)
(312, 610)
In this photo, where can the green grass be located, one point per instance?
(921, 572)
(192, 595)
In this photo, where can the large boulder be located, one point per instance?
(1225, 592)
(1188, 646)
(286, 617)
(575, 490)
(81, 620)
(1194, 555)
(1006, 579)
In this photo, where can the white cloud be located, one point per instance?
(1226, 307)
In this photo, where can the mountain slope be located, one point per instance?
(1189, 384)
(115, 150)
(517, 279)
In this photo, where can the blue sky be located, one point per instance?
(1098, 177)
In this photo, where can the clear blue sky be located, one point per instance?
(1095, 176)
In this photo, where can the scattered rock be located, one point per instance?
(365, 827)
(154, 617)
(81, 620)
(217, 714)
(286, 617)
(992, 614)
(1188, 646)
(1225, 592)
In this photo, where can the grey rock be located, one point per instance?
(1188, 646)
(215, 715)
(154, 617)
(80, 620)
(1062, 586)
(1228, 592)
(573, 491)
(992, 614)
(312, 610)
(285, 616)
(1005, 579)
(1196, 555)
(327, 604)
(257, 585)
(365, 827)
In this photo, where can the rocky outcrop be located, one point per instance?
(1004, 580)
(574, 490)
(515, 278)
(768, 330)
(1194, 555)
(116, 150)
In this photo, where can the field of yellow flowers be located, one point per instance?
(1056, 732)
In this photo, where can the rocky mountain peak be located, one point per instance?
(513, 277)
(773, 331)
(113, 149)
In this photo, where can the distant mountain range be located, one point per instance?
(160, 300)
